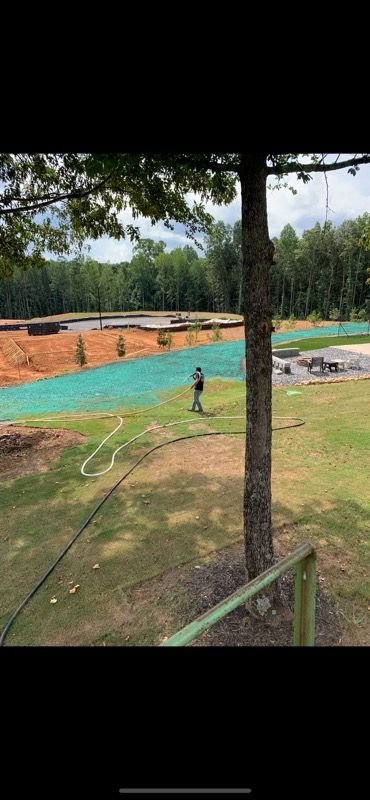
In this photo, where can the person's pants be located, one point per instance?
(196, 401)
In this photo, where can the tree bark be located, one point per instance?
(282, 299)
(291, 296)
(256, 266)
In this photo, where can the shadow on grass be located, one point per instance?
(165, 517)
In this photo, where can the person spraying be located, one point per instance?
(198, 386)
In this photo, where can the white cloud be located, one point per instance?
(348, 198)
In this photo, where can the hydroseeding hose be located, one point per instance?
(32, 592)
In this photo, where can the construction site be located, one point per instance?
(25, 358)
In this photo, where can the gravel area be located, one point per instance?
(300, 374)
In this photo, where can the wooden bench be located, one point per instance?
(281, 365)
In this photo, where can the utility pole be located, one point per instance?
(101, 326)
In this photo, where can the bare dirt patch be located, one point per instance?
(28, 450)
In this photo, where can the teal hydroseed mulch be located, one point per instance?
(135, 382)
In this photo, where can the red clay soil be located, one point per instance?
(54, 355)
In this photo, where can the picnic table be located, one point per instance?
(333, 365)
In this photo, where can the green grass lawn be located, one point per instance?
(316, 343)
(182, 504)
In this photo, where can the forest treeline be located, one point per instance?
(324, 273)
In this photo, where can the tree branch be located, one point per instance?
(215, 166)
(57, 198)
(317, 167)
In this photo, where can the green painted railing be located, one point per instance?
(304, 559)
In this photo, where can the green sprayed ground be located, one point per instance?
(149, 528)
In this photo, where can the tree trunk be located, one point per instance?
(327, 307)
(291, 296)
(240, 295)
(355, 281)
(308, 295)
(257, 262)
(282, 299)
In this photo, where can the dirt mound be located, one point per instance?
(26, 450)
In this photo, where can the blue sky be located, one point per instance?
(348, 198)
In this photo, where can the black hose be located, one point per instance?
(108, 494)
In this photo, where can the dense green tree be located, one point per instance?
(223, 260)
(285, 256)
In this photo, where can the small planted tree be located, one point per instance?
(80, 354)
(169, 340)
(315, 318)
(216, 334)
(189, 338)
(121, 349)
(197, 327)
(162, 339)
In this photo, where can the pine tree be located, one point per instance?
(80, 354)
(121, 349)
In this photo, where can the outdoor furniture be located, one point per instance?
(332, 366)
(316, 361)
(281, 365)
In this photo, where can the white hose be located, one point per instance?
(134, 438)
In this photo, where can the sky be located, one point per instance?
(348, 198)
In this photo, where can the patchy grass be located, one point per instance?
(177, 509)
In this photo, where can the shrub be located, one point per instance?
(315, 318)
(162, 340)
(189, 338)
(216, 335)
(197, 326)
(121, 349)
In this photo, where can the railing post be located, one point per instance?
(304, 620)
(305, 602)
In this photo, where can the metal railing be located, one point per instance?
(304, 559)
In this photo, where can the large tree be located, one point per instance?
(56, 201)
(222, 257)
